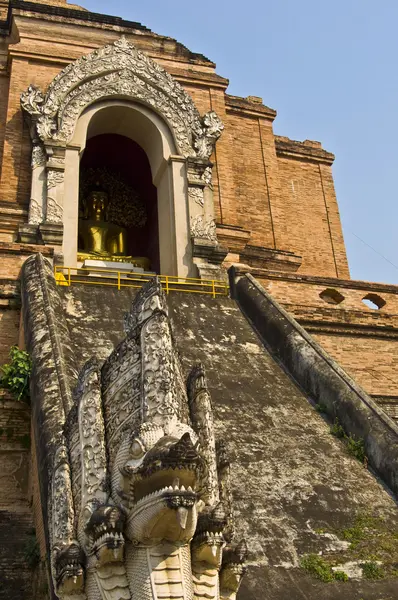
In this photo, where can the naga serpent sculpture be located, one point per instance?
(140, 498)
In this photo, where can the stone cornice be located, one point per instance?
(197, 78)
(307, 150)
(328, 281)
(25, 249)
(74, 13)
(340, 329)
(251, 106)
(97, 20)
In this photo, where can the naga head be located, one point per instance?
(233, 569)
(69, 573)
(104, 531)
(209, 541)
(143, 466)
(162, 482)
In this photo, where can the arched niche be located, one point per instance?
(118, 89)
(168, 169)
(108, 158)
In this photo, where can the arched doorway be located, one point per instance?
(109, 158)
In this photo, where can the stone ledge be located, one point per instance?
(307, 150)
(250, 106)
(74, 13)
(233, 237)
(375, 330)
(21, 249)
(327, 281)
(93, 19)
(261, 258)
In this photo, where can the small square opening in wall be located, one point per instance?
(373, 301)
(331, 296)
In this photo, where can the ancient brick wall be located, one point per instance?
(252, 183)
(307, 230)
(9, 331)
(16, 523)
(372, 362)
(363, 340)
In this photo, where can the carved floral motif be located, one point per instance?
(204, 229)
(54, 212)
(196, 195)
(54, 178)
(120, 70)
(39, 157)
(32, 100)
(207, 176)
(35, 212)
(207, 134)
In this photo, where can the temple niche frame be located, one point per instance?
(118, 89)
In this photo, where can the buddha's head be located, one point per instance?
(97, 203)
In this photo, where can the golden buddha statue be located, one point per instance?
(99, 239)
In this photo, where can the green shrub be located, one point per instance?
(356, 448)
(340, 576)
(337, 430)
(319, 568)
(15, 374)
(372, 570)
(316, 566)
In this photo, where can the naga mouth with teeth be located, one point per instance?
(105, 529)
(69, 568)
(166, 488)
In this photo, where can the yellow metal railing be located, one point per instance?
(67, 276)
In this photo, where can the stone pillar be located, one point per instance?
(179, 205)
(29, 233)
(71, 205)
(207, 253)
(51, 229)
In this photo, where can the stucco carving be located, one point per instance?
(207, 176)
(54, 178)
(114, 71)
(200, 228)
(207, 134)
(54, 212)
(35, 212)
(39, 157)
(32, 101)
(196, 195)
(147, 515)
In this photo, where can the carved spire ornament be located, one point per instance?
(140, 497)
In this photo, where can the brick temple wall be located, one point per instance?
(16, 520)
(253, 182)
(363, 340)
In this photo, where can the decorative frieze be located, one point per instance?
(113, 71)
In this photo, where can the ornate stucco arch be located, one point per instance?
(117, 74)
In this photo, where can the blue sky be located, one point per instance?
(330, 70)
